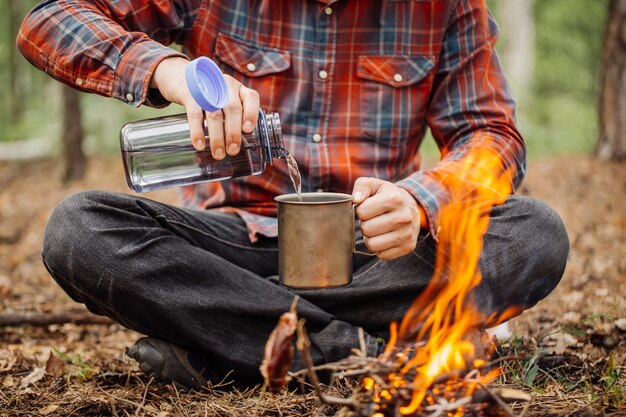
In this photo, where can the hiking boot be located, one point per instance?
(169, 363)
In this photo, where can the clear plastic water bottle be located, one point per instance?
(158, 153)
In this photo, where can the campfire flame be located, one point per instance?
(430, 365)
(434, 336)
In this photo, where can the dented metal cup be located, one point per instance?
(315, 240)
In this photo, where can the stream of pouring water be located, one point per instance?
(294, 174)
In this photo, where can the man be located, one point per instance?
(356, 84)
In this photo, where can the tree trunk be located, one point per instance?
(518, 56)
(612, 139)
(75, 161)
(15, 101)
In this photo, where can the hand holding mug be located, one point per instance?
(390, 216)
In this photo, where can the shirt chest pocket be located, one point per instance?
(394, 94)
(258, 67)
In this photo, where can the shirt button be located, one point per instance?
(322, 74)
(130, 97)
(328, 11)
(79, 81)
(317, 138)
(398, 78)
(251, 67)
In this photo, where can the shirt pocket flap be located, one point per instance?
(394, 70)
(251, 60)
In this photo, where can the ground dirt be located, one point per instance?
(570, 349)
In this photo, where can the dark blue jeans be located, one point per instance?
(193, 278)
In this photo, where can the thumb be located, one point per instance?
(364, 188)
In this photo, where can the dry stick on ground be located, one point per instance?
(304, 346)
(145, 394)
(45, 319)
(497, 399)
(507, 395)
(525, 409)
(148, 408)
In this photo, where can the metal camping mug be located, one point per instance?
(316, 240)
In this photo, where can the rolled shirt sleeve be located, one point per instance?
(108, 48)
(112, 48)
(471, 107)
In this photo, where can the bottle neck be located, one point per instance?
(270, 124)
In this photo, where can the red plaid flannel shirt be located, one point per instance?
(356, 83)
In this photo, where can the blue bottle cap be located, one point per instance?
(206, 84)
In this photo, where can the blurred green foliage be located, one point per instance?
(557, 116)
(42, 101)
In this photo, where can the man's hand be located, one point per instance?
(224, 126)
(390, 217)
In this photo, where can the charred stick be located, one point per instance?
(45, 319)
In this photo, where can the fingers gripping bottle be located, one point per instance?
(158, 153)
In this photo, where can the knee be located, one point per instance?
(526, 251)
(545, 245)
(552, 242)
(66, 230)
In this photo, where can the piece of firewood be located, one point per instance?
(45, 319)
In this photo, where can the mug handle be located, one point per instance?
(358, 252)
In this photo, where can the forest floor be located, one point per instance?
(570, 349)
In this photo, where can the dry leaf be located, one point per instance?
(36, 375)
(55, 366)
(279, 351)
(49, 409)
